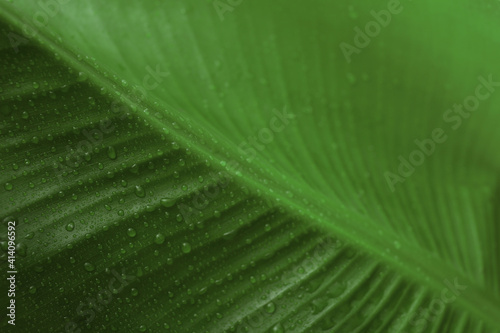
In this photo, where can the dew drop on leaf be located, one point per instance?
(131, 232)
(159, 239)
(270, 307)
(165, 202)
(88, 267)
(139, 191)
(111, 153)
(82, 77)
(278, 328)
(186, 247)
(22, 249)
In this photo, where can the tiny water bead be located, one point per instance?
(278, 328)
(159, 239)
(82, 76)
(131, 232)
(166, 202)
(270, 307)
(134, 292)
(111, 153)
(134, 169)
(8, 186)
(88, 267)
(22, 249)
(186, 247)
(70, 226)
(139, 191)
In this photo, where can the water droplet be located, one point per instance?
(278, 328)
(8, 186)
(159, 239)
(32, 289)
(139, 191)
(134, 168)
(70, 226)
(111, 153)
(82, 77)
(131, 232)
(270, 307)
(165, 202)
(186, 247)
(134, 292)
(88, 267)
(22, 249)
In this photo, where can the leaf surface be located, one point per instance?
(170, 170)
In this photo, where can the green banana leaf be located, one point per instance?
(250, 166)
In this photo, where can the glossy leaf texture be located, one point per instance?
(226, 166)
